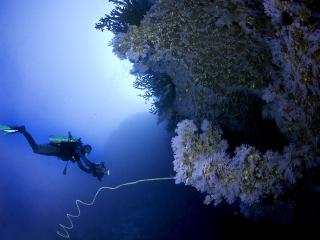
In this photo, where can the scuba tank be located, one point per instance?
(56, 139)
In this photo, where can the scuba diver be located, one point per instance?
(65, 148)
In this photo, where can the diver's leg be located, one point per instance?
(48, 149)
(45, 149)
(30, 140)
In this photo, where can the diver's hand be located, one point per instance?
(99, 171)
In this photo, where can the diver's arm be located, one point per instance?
(89, 166)
(83, 168)
(84, 159)
(97, 170)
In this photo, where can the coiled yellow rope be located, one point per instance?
(69, 216)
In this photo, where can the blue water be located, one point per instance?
(37, 195)
(35, 199)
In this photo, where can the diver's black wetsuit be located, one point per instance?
(67, 151)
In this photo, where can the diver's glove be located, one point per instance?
(99, 171)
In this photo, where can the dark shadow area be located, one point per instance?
(38, 199)
(157, 210)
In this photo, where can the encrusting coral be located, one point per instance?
(247, 71)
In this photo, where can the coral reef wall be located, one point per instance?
(239, 80)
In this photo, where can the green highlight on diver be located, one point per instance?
(60, 139)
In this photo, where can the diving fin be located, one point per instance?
(7, 129)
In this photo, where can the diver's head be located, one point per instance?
(87, 149)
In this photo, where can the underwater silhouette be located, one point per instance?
(67, 148)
